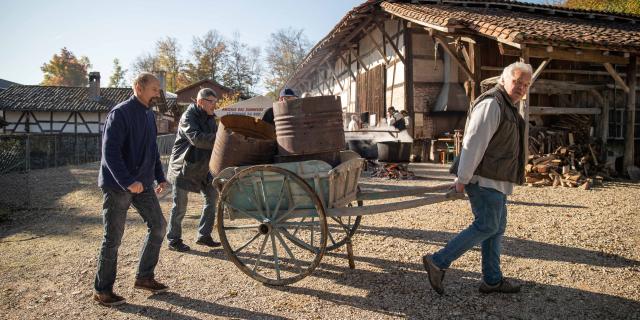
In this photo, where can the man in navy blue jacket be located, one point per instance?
(129, 166)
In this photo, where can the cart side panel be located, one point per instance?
(343, 182)
(250, 193)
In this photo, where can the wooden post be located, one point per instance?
(408, 77)
(476, 63)
(524, 108)
(629, 137)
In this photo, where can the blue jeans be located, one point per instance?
(179, 208)
(114, 211)
(490, 221)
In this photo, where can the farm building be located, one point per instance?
(63, 125)
(430, 58)
(66, 110)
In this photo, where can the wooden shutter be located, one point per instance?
(370, 92)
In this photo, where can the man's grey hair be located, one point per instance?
(206, 92)
(507, 73)
(143, 79)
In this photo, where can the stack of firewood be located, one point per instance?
(567, 166)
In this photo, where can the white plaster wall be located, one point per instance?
(90, 116)
(94, 127)
(395, 98)
(61, 116)
(12, 116)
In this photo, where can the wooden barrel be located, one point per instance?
(309, 125)
(242, 141)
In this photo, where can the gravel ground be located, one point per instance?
(575, 252)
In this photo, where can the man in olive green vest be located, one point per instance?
(491, 162)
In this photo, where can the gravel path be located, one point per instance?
(575, 251)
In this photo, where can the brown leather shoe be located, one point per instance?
(505, 286)
(108, 298)
(436, 275)
(150, 285)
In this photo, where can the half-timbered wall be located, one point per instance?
(53, 122)
(339, 76)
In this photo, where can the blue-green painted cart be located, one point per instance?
(276, 221)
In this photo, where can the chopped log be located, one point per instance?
(530, 180)
(528, 168)
(545, 158)
(542, 168)
(556, 181)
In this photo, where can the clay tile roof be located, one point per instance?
(512, 22)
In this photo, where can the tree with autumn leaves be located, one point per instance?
(65, 69)
(616, 6)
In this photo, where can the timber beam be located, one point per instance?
(612, 71)
(393, 45)
(454, 57)
(555, 53)
(347, 65)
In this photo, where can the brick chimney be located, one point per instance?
(94, 86)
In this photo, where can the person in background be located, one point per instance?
(354, 124)
(395, 119)
(491, 163)
(285, 95)
(407, 120)
(189, 170)
(129, 166)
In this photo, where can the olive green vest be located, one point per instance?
(504, 158)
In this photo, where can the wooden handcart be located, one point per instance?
(276, 221)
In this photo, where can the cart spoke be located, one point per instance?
(258, 218)
(298, 226)
(255, 266)
(288, 250)
(263, 194)
(292, 204)
(247, 243)
(339, 221)
(297, 241)
(280, 196)
(276, 262)
(331, 238)
(249, 196)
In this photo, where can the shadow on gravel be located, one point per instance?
(207, 307)
(621, 183)
(536, 204)
(151, 312)
(402, 289)
(512, 246)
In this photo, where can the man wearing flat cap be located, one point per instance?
(189, 170)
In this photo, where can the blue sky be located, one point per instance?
(31, 31)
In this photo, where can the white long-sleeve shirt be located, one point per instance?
(483, 123)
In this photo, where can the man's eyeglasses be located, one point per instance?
(212, 100)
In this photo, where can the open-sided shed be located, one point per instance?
(429, 57)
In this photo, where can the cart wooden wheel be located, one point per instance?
(272, 225)
(341, 229)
